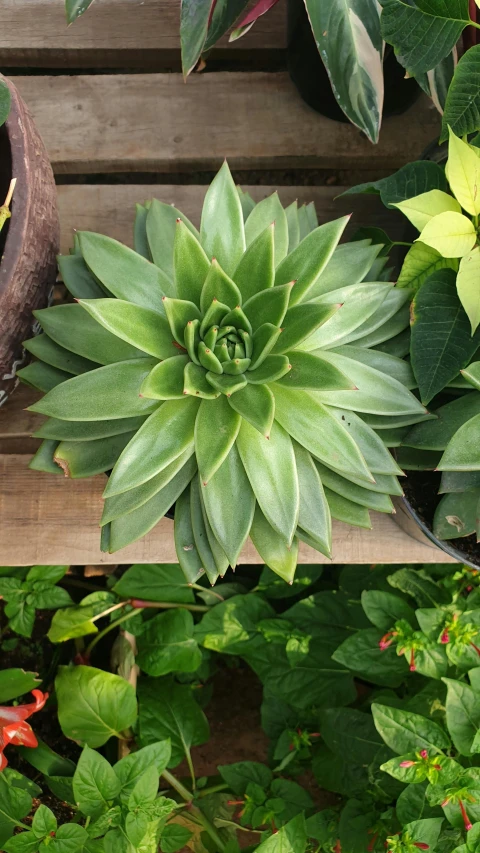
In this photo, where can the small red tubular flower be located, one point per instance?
(387, 640)
(445, 638)
(412, 661)
(14, 729)
(421, 845)
(476, 648)
(466, 819)
(423, 753)
(407, 763)
(372, 843)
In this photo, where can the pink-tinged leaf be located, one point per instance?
(247, 22)
(195, 18)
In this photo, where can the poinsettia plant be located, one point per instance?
(238, 372)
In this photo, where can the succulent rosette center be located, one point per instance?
(231, 371)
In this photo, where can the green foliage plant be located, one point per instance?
(237, 372)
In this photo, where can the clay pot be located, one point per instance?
(29, 241)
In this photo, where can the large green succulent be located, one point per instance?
(220, 371)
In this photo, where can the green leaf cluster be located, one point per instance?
(26, 590)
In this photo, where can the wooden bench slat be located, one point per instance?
(53, 520)
(114, 33)
(157, 123)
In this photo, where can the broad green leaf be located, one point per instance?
(347, 731)
(305, 264)
(78, 279)
(194, 22)
(124, 272)
(133, 499)
(463, 172)
(71, 327)
(423, 33)
(196, 383)
(420, 262)
(87, 458)
(420, 586)
(71, 623)
(405, 732)
(161, 226)
(358, 304)
(362, 654)
(169, 710)
(222, 229)
(230, 504)
(267, 212)
(349, 264)
(462, 106)
(15, 682)
(94, 783)
(314, 512)
(216, 429)
(300, 322)
(155, 582)
(395, 367)
(190, 264)
(174, 837)
(131, 768)
(411, 180)
(212, 558)
(166, 380)
(42, 376)
(256, 404)
(142, 328)
(185, 546)
(451, 234)
(94, 705)
(43, 348)
(180, 313)
(75, 8)
(291, 838)
(225, 14)
(467, 285)
(138, 522)
(422, 208)
(350, 43)
(268, 306)
(166, 644)
(108, 392)
(352, 492)
(256, 269)
(271, 470)
(463, 450)
(26, 842)
(472, 374)
(462, 714)
(164, 436)
(384, 609)
(242, 773)
(441, 343)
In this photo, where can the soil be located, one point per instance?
(421, 491)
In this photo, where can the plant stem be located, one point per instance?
(402, 243)
(4, 209)
(168, 605)
(211, 790)
(109, 610)
(194, 810)
(190, 767)
(111, 627)
(202, 589)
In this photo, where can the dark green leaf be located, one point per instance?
(463, 715)
(94, 705)
(16, 682)
(94, 783)
(174, 837)
(411, 180)
(361, 653)
(169, 710)
(405, 732)
(155, 582)
(75, 8)
(167, 645)
(462, 107)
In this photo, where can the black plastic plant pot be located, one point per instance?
(415, 511)
(309, 74)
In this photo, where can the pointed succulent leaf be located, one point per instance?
(195, 19)
(246, 199)
(192, 339)
(256, 270)
(78, 279)
(73, 328)
(199, 529)
(266, 212)
(376, 455)
(43, 348)
(256, 404)
(291, 212)
(208, 359)
(161, 228)
(219, 556)
(270, 466)
(300, 322)
(226, 384)
(124, 272)
(216, 429)
(86, 430)
(44, 377)
(358, 303)
(87, 458)
(185, 546)
(463, 450)
(229, 504)
(274, 552)
(263, 342)
(272, 367)
(236, 367)
(358, 494)
(349, 264)
(195, 383)
(190, 264)
(140, 239)
(315, 428)
(164, 436)
(142, 328)
(311, 370)
(305, 264)
(218, 285)
(108, 392)
(166, 380)
(268, 306)
(347, 511)
(137, 523)
(222, 229)
(179, 313)
(238, 319)
(314, 513)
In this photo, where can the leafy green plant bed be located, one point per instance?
(338, 713)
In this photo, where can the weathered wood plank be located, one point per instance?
(113, 34)
(48, 519)
(157, 123)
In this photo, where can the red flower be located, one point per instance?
(14, 729)
(466, 819)
(476, 648)
(421, 845)
(407, 763)
(412, 661)
(387, 640)
(423, 753)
